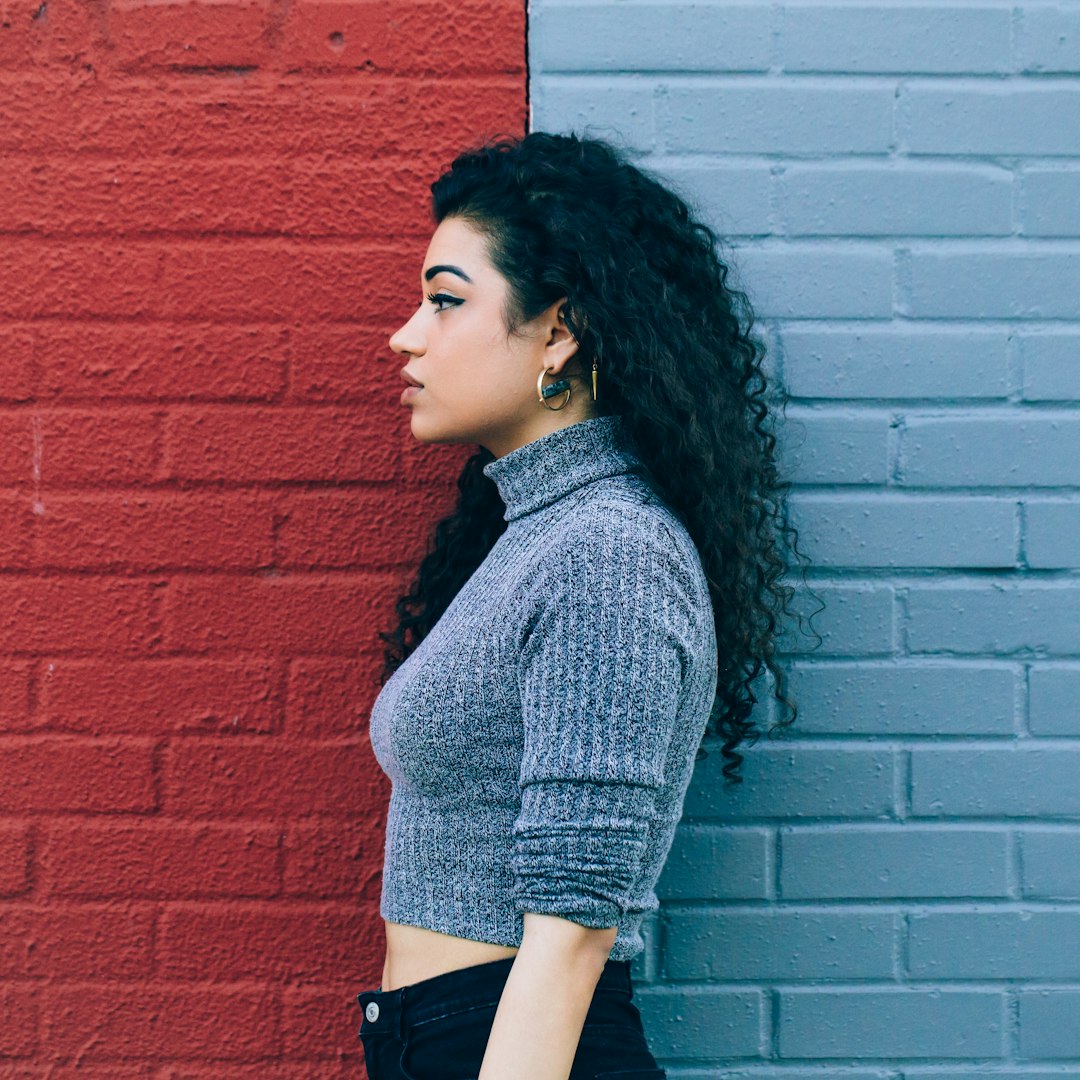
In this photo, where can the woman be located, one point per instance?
(608, 584)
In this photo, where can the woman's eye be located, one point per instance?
(438, 299)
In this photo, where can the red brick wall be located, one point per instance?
(212, 216)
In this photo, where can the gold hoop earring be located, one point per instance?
(544, 392)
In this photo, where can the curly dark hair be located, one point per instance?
(647, 296)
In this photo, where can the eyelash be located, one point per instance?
(437, 298)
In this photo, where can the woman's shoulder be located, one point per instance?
(630, 510)
(624, 559)
(619, 526)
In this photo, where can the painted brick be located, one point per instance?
(824, 448)
(891, 1023)
(281, 118)
(1049, 38)
(941, 39)
(998, 451)
(855, 620)
(782, 945)
(732, 199)
(922, 531)
(1051, 370)
(1051, 202)
(1048, 1027)
(892, 861)
(981, 1072)
(1004, 118)
(1050, 863)
(15, 850)
(994, 945)
(616, 108)
(1026, 283)
(903, 699)
(995, 621)
(717, 863)
(911, 246)
(679, 37)
(1009, 782)
(787, 1072)
(904, 361)
(1054, 699)
(691, 1023)
(796, 782)
(799, 283)
(712, 116)
(996, 1071)
(884, 200)
(1052, 533)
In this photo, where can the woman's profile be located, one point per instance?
(605, 594)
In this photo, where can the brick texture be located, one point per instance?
(213, 216)
(893, 893)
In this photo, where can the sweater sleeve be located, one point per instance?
(601, 675)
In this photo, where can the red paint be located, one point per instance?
(214, 217)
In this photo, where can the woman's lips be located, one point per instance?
(409, 393)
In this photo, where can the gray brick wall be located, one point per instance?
(894, 894)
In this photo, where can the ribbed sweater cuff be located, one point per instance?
(578, 847)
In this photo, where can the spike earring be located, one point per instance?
(544, 392)
(594, 379)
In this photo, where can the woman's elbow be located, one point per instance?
(559, 933)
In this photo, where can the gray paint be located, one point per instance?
(893, 894)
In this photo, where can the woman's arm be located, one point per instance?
(542, 1010)
(617, 619)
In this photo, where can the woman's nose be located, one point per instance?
(407, 339)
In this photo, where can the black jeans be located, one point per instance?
(438, 1029)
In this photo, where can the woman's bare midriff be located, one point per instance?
(414, 953)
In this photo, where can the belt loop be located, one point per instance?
(401, 1016)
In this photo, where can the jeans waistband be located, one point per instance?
(396, 1010)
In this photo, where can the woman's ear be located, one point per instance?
(560, 343)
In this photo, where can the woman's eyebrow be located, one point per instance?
(433, 270)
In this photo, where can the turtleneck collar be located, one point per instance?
(546, 469)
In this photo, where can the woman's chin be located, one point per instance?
(423, 430)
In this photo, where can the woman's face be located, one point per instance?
(478, 384)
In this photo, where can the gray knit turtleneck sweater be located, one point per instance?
(541, 737)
